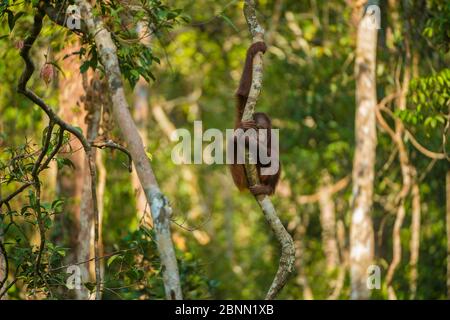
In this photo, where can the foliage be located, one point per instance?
(223, 245)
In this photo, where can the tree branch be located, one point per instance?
(287, 258)
(160, 209)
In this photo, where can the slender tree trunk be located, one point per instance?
(159, 206)
(86, 235)
(69, 181)
(415, 239)
(299, 236)
(361, 232)
(101, 187)
(328, 223)
(340, 281)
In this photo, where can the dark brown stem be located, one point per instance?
(112, 145)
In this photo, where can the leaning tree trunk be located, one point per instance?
(141, 116)
(361, 231)
(159, 206)
(287, 258)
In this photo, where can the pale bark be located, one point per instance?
(101, 187)
(312, 198)
(333, 236)
(361, 231)
(159, 206)
(86, 235)
(140, 115)
(328, 223)
(287, 258)
(300, 263)
(415, 239)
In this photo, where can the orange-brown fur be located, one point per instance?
(268, 183)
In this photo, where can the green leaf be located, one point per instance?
(62, 162)
(85, 66)
(111, 259)
(57, 205)
(228, 20)
(149, 155)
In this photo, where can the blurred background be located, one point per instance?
(224, 246)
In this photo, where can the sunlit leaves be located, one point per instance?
(438, 25)
(430, 98)
(131, 27)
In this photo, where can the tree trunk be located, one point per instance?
(300, 263)
(85, 253)
(159, 206)
(69, 181)
(101, 187)
(328, 223)
(141, 115)
(415, 239)
(287, 259)
(361, 232)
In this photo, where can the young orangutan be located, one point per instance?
(260, 120)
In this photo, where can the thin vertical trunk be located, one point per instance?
(86, 234)
(361, 232)
(69, 181)
(390, 31)
(299, 236)
(101, 186)
(328, 224)
(339, 285)
(415, 239)
(159, 206)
